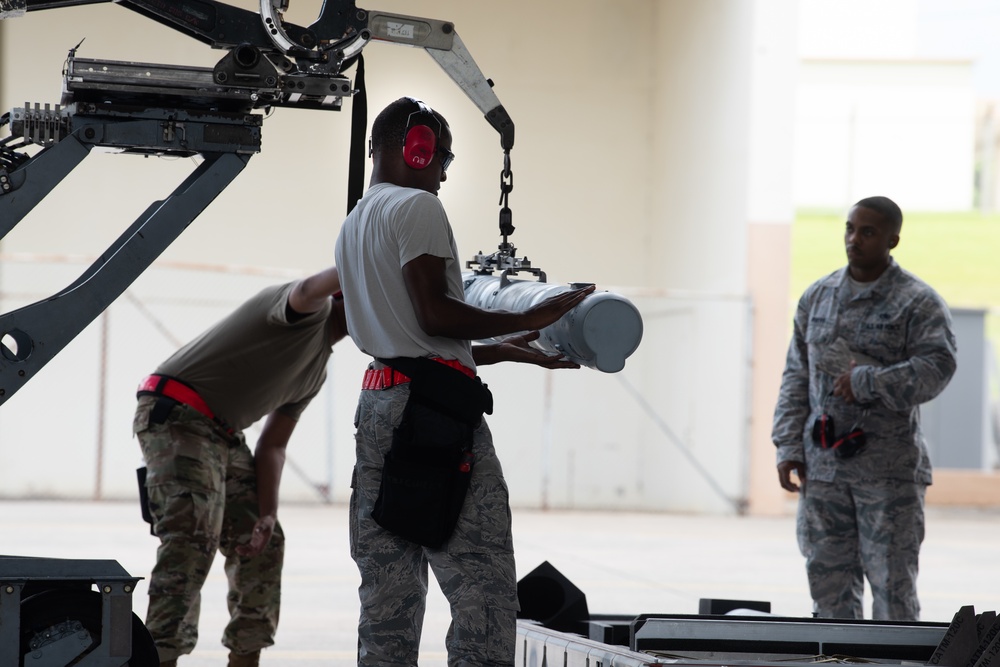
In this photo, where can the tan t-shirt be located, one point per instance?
(255, 361)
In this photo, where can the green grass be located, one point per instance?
(956, 253)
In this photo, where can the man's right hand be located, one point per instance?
(550, 310)
(785, 469)
(262, 530)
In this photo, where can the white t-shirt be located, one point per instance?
(390, 226)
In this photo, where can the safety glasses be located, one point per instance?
(446, 157)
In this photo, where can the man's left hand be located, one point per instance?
(842, 386)
(517, 348)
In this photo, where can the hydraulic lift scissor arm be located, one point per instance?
(216, 113)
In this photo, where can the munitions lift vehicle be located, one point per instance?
(57, 612)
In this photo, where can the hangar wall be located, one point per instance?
(649, 159)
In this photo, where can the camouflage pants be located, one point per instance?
(475, 568)
(849, 531)
(203, 499)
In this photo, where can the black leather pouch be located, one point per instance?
(427, 471)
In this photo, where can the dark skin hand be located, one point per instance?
(517, 348)
(269, 460)
(842, 386)
(785, 469)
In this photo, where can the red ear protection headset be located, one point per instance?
(845, 444)
(420, 139)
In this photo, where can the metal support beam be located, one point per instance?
(41, 330)
(34, 180)
(726, 638)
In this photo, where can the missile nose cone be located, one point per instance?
(611, 330)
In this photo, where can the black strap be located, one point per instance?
(147, 516)
(161, 409)
(359, 123)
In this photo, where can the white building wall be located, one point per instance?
(905, 129)
(875, 114)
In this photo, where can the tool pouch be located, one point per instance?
(428, 468)
(140, 474)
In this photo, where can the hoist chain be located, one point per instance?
(506, 185)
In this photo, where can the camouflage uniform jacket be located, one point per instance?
(898, 333)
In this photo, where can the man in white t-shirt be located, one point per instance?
(404, 299)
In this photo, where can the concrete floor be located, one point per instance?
(625, 563)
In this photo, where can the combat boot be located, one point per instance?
(244, 659)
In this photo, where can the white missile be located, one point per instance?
(600, 332)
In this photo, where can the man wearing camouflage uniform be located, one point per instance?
(206, 491)
(404, 298)
(871, 343)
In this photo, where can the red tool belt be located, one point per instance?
(161, 385)
(386, 377)
(167, 387)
